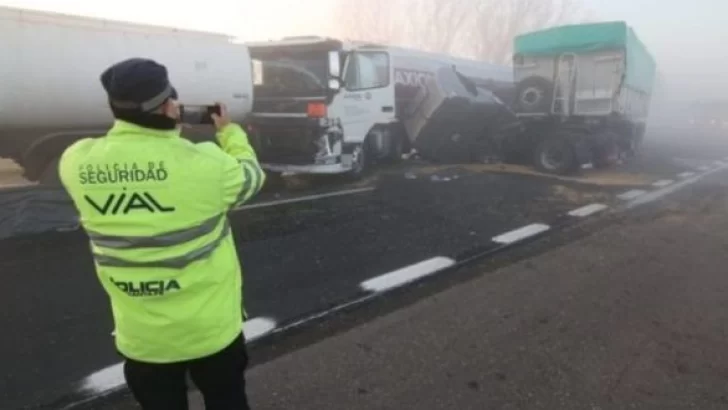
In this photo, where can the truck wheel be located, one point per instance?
(50, 176)
(385, 146)
(534, 95)
(360, 162)
(396, 149)
(555, 155)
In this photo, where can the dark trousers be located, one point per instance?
(219, 377)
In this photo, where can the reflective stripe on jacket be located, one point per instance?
(155, 207)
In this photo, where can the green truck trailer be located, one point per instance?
(583, 94)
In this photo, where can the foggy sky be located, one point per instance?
(687, 38)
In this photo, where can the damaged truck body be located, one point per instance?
(575, 95)
(583, 94)
(324, 106)
(314, 105)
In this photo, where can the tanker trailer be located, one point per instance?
(583, 92)
(51, 94)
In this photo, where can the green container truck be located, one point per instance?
(583, 92)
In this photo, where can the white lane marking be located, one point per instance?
(659, 193)
(521, 233)
(112, 377)
(686, 174)
(407, 274)
(305, 198)
(258, 327)
(663, 183)
(106, 379)
(719, 163)
(588, 210)
(704, 168)
(631, 194)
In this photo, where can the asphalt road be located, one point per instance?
(299, 258)
(632, 316)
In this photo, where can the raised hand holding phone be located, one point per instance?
(200, 114)
(220, 118)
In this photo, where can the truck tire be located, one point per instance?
(556, 155)
(396, 149)
(389, 150)
(50, 176)
(361, 162)
(534, 95)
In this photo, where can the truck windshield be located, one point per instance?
(290, 74)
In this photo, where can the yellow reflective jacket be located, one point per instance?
(154, 206)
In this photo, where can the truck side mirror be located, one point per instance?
(334, 64)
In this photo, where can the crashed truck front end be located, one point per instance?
(290, 126)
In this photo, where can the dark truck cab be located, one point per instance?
(292, 87)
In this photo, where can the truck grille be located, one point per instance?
(286, 145)
(277, 106)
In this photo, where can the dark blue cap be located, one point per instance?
(137, 84)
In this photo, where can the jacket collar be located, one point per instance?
(122, 128)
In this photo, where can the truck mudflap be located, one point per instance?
(451, 119)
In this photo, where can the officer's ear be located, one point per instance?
(170, 108)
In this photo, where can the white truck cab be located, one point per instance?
(321, 106)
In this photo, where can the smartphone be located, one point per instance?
(197, 114)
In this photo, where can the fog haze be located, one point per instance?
(687, 38)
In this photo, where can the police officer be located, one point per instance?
(154, 206)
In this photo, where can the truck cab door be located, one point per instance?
(367, 96)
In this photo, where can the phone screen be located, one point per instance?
(198, 114)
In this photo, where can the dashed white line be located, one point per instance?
(407, 274)
(663, 183)
(588, 210)
(112, 377)
(521, 233)
(686, 174)
(104, 380)
(704, 168)
(659, 193)
(257, 327)
(631, 194)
